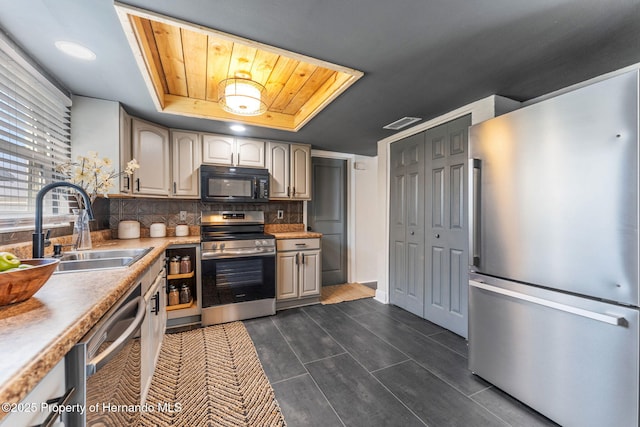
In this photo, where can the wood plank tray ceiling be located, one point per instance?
(183, 63)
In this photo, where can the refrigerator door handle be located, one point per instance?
(474, 212)
(610, 319)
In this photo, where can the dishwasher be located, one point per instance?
(104, 367)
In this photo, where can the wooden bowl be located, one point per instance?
(20, 285)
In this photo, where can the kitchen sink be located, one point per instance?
(99, 259)
(104, 253)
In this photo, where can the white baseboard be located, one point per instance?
(381, 296)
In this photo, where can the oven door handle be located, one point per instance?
(97, 362)
(234, 254)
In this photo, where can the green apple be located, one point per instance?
(8, 260)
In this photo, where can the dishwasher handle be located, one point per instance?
(98, 361)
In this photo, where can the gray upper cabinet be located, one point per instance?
(186, 157)
(151, 149)
(231, 151)
(250, 153)
(104, 127)
(289, 170)
(218, 149)
(126, 152)
(300, 171)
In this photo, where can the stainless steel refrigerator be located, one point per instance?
(554, 281)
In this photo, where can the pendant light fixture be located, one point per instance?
(242, 96)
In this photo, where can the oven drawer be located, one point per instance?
(297, 244)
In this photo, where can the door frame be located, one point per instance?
(350, 159)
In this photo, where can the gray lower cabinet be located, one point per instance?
(34, 409)
(298, 272)
(154, 324)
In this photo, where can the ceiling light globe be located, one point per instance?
(242, 97)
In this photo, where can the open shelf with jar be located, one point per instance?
(183, 305)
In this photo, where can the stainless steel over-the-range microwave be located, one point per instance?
(224, 184)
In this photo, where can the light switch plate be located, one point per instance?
(280, 214)
(183, 215)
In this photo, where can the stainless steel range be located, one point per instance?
(238, 267)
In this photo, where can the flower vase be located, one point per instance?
(81, 233)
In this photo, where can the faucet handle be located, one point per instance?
(47, 242)
(57, 249)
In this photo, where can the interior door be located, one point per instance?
(446, 235)
(328, 215)
(406, 276)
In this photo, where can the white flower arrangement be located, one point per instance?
(94, 174)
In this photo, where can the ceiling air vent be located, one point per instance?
(400, 123)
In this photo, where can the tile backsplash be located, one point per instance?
(109, 212)
(167, 211)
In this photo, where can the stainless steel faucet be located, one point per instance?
(38, 236)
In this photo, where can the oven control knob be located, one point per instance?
(265, 243)
(214, 245)
(222, 246)
(258, 243)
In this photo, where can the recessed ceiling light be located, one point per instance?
(76, 50)
(237, 128)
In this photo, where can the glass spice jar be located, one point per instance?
(185, 294)
(174, 295)
(185, 264)
(174, 265)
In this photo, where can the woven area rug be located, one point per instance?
(211, 377)
(347, 292)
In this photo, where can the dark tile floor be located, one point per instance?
(363, 363)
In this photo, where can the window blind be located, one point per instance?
(34, 139)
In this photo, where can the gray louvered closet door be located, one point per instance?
(406, 284)
(428, 225)
(446, 235)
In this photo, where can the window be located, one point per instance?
(34, 138)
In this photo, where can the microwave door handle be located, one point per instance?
(255, 188)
